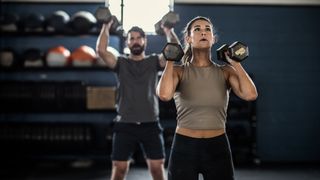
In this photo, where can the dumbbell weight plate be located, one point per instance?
(158, 28)
(172, 52)
(103, 14)
(238, 51)
(116, 27)
(170, 19)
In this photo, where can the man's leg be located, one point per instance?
(123, 146)
(156, 168)
(152, 143)
(119, 169)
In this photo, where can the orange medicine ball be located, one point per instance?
(58, 56)
(83, 56)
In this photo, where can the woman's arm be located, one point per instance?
(168, 81)
(240, 82)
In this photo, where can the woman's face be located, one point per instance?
(201, 34)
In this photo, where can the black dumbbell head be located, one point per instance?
(158, 28)
(238, 51)
(116, 27)
(172, 52)
(103, 14)
(170, 19)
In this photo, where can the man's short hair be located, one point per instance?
(137, 29)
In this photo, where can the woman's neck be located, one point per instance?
(201, 58)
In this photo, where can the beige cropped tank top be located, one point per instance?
(202, 98)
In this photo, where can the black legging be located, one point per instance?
(209, 156)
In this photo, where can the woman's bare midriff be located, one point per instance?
(194, 133)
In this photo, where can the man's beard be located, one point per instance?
(136, 49)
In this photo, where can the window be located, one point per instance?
(142, 13)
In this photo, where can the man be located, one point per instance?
(137, 122)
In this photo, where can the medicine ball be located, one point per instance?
(9, 22)
(83, 56)
(58, 21)
(7, 57)
(34, 22)
(83, 21)
(33, 57)
(58, 56)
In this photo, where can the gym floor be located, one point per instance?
(83, 170)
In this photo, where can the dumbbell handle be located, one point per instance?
(221, 52)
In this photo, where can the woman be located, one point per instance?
(201, 89)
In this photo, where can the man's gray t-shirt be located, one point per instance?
(136, 89)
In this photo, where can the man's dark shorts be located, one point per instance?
(128, 136)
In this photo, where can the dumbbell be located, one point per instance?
(238, 51)
(172, 52)
(104, 16)
(116, 27)
(169, 20)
